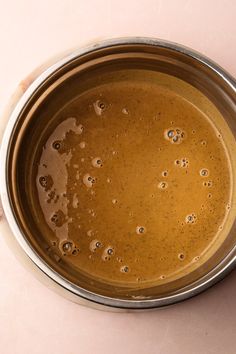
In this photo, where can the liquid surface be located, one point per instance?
(133, 183)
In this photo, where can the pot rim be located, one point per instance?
(216, 274)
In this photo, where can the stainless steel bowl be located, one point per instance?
(161, 56)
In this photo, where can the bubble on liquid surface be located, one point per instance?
(67, 246)
(181, 256)
(175, 139)
(108, 253)
(57, 145)
(196, 259)
(125, 111)
(170, 133)
(183, 162)
(94, 245)
(97, 162)
(178, 162)
(162, 277)
(162, 185)
(207, 184)
(174, 135)
(88, 180)
(114, 201)
(82, 145)
(203, 142)
(58, 218)
(191, 218)
(75, 252)
(124, 269)
(46, 182)
(140, 230)
(204, 172)
(164, 173)
(52, 196)
(108, 180)
(100, 106)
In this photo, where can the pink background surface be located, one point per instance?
(35, 320)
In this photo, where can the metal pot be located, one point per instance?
(211, 80)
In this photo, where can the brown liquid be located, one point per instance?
(134, 183)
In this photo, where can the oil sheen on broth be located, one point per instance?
(133, 183)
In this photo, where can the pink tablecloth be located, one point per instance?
(35, 320)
